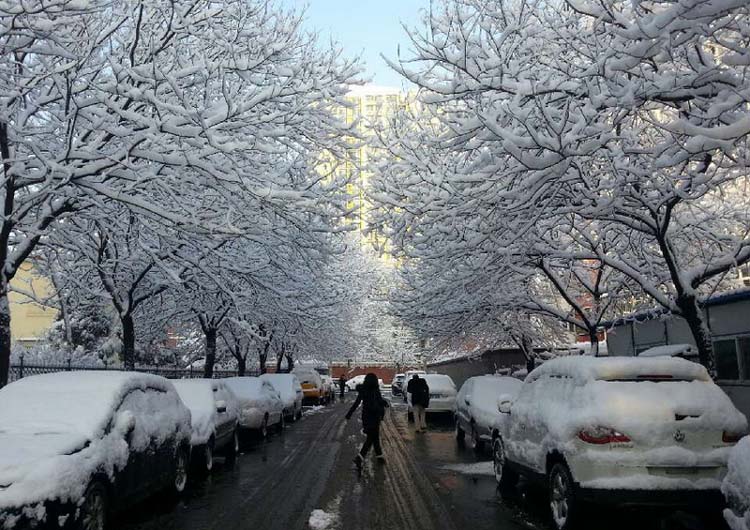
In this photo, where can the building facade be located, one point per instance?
(30, 321)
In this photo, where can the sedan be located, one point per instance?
(79, 446)
(477, 408)
(260, 404)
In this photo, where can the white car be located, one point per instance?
(736, 487)
(351, 384)
(442, 394)
(214, 411)
(290, 390)
(477, 405)
(260, 404)
(619, 430)
(77, 447)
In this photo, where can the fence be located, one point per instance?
(21, 370)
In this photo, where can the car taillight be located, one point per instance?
(602, 436)
(732, 437)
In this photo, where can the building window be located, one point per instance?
(727, 367)
(733, 359)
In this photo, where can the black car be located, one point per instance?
(397, 384)
(79, 446)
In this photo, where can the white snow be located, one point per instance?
(57, 430)
(484, 393)
(476, 468)
(256, 398)
(671, 350)
(287, 385)
(199, 397)
(321, 520)
(736, 487)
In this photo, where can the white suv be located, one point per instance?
(621, 430)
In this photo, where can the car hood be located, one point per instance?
(21, 449)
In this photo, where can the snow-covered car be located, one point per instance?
(329, 391)
(214, 414)
(75, 447)
(619, 430)
(736, 487)
(312, 384)
(290, 390)
(397, 384)
(442, 394)
(477, 405)
(260, 405)
(354, 382)
(686, 351)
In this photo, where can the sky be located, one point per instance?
(365, 27)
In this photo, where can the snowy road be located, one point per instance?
(305, 479)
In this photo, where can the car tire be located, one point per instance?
(564, 507)
(94, 510)
(505, 477)
(181, 465)
(460, 434)
(233, 448)
(477, 444)
(208, 457)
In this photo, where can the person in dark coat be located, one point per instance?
(420, 401)
(373, 412)
(342, 386)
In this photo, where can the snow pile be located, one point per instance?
(321, 520)
(58, 430)
(199, 395)
(736, 487)
(286, 385)
(476, 468)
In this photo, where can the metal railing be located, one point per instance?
(22, 369)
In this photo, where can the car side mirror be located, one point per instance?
(125, 424)
(504, 403)
(221, 407)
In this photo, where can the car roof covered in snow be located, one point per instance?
(245, 387)
(621, 368)
(435, 381)
(82, 401)
(670, 350)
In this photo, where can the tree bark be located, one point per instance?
(4, 335)
(263, 357)
(279, 359)
(241, 365)
(208, 369)
(289, 362)
(128, 341)
(594, 340)
(693, 315)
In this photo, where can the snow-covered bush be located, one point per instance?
(736, 487)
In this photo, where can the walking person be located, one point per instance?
(373, 412)
(342, 386)
(420, 400)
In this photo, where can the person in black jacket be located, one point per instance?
(420, 400)
(373, 412)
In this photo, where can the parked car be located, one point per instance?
(621, 430)
(407, 377)
(214, 411)
(477, 411)
(354, 382)
(736, 487)
(260, 405)
(290, 390)
(329, 392)
(79, 446)
(397, 384)
(312, 384)
(686, 351)
(442, 395)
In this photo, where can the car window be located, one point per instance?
(148, 408)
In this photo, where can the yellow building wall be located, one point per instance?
(28, 320)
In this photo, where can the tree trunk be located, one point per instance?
(263, 357)
(4, 335)
(289, 362)
(693, 315)
(241, 365)
(128, 341)
(279, 359)
(208, 369)
(594, 340)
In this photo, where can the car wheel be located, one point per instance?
(460, 434)
(233, 449)
(94, 509)
(476, 443)
(264, 428)
(562, 499)
(181, 462)
(505, 477)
